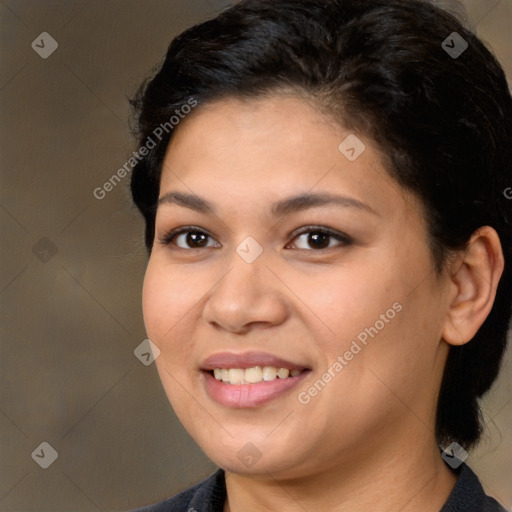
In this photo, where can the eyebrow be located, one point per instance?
(281, 208)
(187, 201)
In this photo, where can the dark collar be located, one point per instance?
(210, 494)
(468, 494)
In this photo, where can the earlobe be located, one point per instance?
(474, 280)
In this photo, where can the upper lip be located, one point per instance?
(247, 360)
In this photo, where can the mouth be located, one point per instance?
(251, 379)
(253, 375)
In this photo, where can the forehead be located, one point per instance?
(272, 147)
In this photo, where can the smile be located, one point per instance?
(249, 379)
(253, 375)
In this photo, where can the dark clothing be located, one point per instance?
(209, 496)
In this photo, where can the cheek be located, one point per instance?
(168, 301)
(348, 302)
(380, 314)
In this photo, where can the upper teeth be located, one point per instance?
(252, 375)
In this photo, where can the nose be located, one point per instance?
(247, 297)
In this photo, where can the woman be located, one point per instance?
(329, 275)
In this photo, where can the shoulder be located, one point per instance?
(206, 496)
(468, 495)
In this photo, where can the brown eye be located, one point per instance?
(318, 239)
(190, 239)
(196, 239)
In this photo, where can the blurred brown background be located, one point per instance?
(72, 268)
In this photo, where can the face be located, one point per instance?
(275, 250)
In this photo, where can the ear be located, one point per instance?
(474, 279)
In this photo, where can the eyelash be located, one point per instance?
(344, 240)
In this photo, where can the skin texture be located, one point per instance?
(371, 428)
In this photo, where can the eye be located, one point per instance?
(189, 238)
(320, 238)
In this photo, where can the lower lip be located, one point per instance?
(248, 395)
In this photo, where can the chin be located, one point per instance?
(256, 457)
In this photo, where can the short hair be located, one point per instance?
(384, 69)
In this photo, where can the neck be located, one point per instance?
(410, 477)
